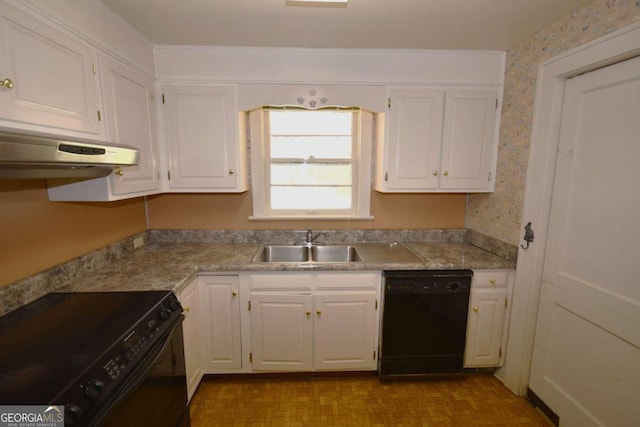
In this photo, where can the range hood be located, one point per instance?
(24, 156)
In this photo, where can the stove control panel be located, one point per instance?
(138, 349)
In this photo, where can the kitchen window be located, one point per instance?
(310, 163)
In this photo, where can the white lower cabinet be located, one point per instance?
(191, 333)
(325, 321)
(281, 332)
(315, 321)
(345, 331)
(487, 317)
(221, 346)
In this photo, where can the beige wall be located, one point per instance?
(231, 212)
(499, 214)
(36, 234)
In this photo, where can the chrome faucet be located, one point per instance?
(311, 237)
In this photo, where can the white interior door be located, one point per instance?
(586, 359)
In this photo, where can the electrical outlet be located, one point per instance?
(138, 242)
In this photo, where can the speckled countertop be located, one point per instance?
(172, 266)
(170, 259)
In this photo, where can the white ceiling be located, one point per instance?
(396, 24)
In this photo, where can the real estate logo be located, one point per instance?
(31, 416)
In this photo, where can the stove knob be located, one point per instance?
(165, 314)
(92, 389)
(173, 305)
(72, 414)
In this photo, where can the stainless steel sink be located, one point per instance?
(326, 253)
(301, 253)
(335, 253)
(282, 253)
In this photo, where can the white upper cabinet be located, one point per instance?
(49, 77)
(438, 140)
(468, 141)
(414, 139)
(205, 150)
(130, 119)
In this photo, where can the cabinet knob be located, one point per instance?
(6, 83)
(187, 308)
(234, 293)
(435, 173)
(492, 281)
(319, 312)
(475, 309)
(308, 312)
(119, 172)
(231, 171)
(445, 173)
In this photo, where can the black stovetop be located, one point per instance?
(47, 344)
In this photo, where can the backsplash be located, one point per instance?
(289, 236)
(31, 288)
(499, 214)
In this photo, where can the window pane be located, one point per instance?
(311, 160)
(311, 174)
(329, 122)
(311, 198)
(304, 147)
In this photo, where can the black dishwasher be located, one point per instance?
(424, 322)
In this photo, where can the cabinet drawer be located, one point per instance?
(490, 278)
(343, 280)
(281, 281)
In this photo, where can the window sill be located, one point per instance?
(311, 217)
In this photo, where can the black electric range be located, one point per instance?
(90, 352)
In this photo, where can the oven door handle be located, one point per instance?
(138, 376)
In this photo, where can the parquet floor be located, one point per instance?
(464, 400)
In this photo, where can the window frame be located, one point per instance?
(259, 135)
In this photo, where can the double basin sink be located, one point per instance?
(326, 253)
(315, 253)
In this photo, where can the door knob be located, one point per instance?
(6, 83)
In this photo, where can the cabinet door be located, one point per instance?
(201, 124)
(281, 332)
(484, 327)
(54, 83)
(220, 323)
(468, 140)
(414, 139)
(345, 331)
(190, 329)
(130, 119)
